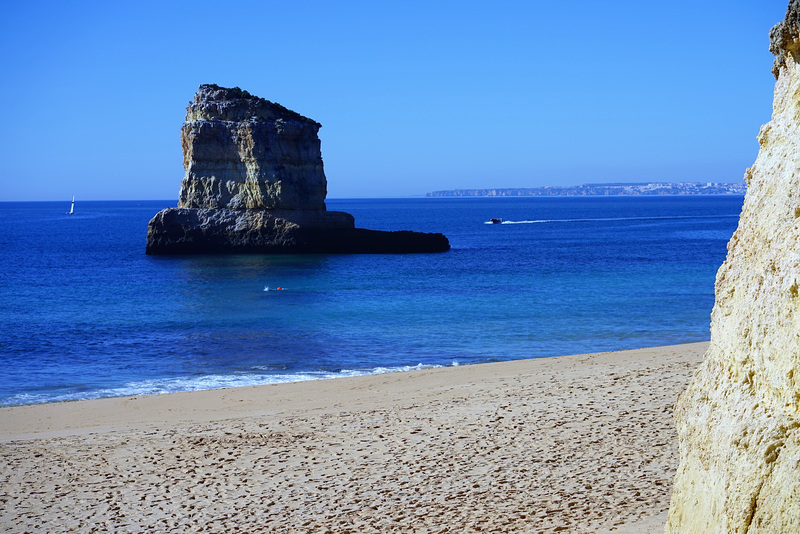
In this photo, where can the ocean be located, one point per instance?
(86, 314)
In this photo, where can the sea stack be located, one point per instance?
(255, 183)
(739, 420)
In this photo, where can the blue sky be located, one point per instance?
(412, 96)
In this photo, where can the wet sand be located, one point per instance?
(580, 444)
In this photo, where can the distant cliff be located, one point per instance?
(255, 183)
(632, 189)
(738, 421)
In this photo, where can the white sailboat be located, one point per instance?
(72, 207)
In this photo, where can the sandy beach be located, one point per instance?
(572, 444)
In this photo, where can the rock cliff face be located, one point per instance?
(739, 420)
(241, 151)
(255, 183)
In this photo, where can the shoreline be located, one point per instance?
(583, 442)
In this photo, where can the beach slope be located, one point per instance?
(580, 444)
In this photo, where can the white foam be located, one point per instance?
(206, 382)
(611, 219)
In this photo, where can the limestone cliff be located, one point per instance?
(255, 183)
(739, 420)
(241, 151)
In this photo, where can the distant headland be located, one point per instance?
(611, 189)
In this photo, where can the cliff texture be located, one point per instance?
(255, 183)
(739, 420)
(241, 151)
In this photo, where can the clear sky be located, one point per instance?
(412, 96)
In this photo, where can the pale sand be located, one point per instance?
(572, 444)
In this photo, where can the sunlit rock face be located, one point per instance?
(241, 151)
(739, 420)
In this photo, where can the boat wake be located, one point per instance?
(612, 219)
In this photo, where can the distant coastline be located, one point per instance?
(610, 189)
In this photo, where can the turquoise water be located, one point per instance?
(86, 314)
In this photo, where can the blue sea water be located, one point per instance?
(84, 313)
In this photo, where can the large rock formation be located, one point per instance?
(739, 420)
(255, 183)
(244, 152)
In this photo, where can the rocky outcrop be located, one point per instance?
(220, 231)
(244, 152)
(739, 420)
(255, 183)
(783, 38)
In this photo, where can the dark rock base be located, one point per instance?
(225, 231)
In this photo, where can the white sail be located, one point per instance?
(72, 207)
